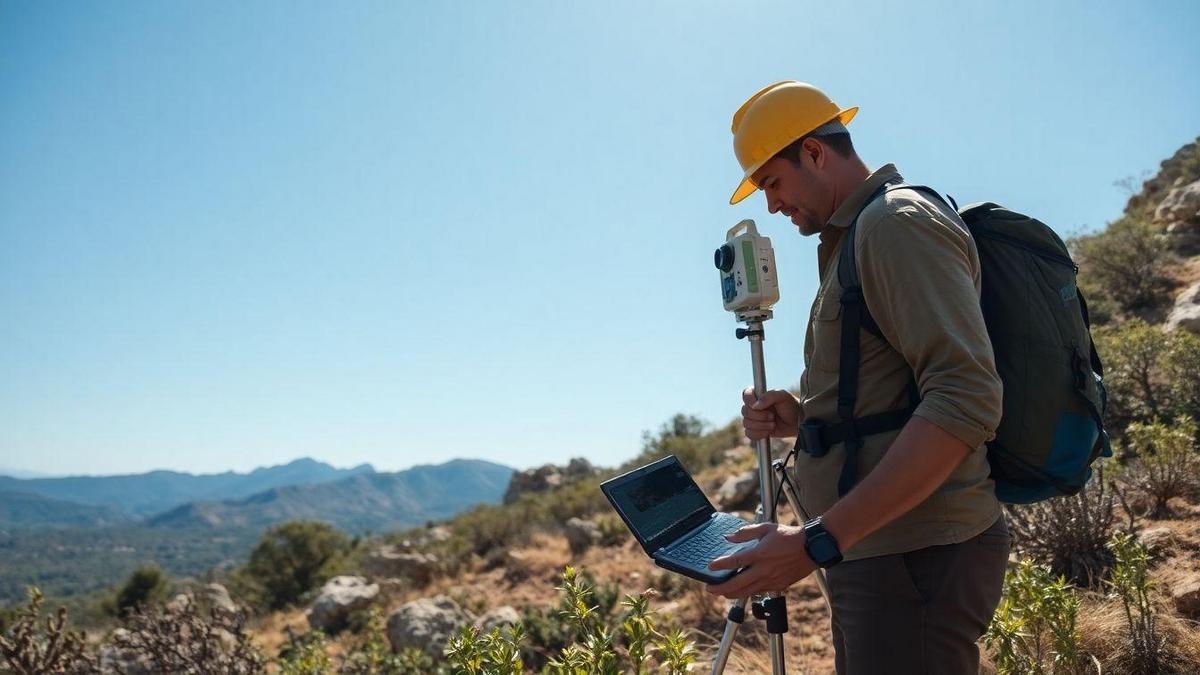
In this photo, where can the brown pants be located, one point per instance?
(918, 612)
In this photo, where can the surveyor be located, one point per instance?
(910, 533)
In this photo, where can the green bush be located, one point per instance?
(145, 585)
(1165, 464)
(306, 655)
(1128, 263)
(1147, 653)
(597, 644)
(1150, 373)
(1034, 628)
(373, 655)
(290, 560)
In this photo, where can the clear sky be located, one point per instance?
(233, 234)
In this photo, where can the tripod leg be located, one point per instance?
(789, 490)
(733, 621)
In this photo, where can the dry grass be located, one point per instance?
(1104, 632)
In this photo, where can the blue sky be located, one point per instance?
(398, 233)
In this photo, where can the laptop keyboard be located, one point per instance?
(708, 543)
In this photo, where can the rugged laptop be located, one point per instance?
(673, 520)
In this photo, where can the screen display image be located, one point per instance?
(656, 501)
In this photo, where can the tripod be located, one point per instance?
(772, 609)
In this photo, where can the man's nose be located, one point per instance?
(773, 204)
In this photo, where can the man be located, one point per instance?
(914, 542)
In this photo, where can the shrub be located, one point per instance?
(305, 655)
(1130, 581)
(1150, 373)
(592, 642)
(181, 639)
(290, 560)
(1034, 628)
(146, 585)
(1069, 534)
(31, 647)
(1127, 262)
(1165, 465)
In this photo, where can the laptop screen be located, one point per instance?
(659, 499)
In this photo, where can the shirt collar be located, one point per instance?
(850, 207)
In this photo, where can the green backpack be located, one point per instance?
(1052, 428)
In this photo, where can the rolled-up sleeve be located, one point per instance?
(920, 278)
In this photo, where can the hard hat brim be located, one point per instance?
(747, 186)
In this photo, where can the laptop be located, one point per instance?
(673, 520)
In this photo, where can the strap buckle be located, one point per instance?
(810, 438)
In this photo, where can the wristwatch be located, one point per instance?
(821, 545)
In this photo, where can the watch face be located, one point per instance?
(821, 549)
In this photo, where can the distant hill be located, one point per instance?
(141, 495)
(23, 510)
(366, 502)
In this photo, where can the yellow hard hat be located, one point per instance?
(774, 117)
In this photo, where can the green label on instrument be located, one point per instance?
(751, 262)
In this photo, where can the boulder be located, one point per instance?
(498, 618)
(426, 624)
(1186, 597)
(1156, 540)
(739, 492)
(339, 597)
(394, 562)
(578, 469)
(1186, 312)
(581, 534)
(542, 479)
(1180, 205)
(217, 597)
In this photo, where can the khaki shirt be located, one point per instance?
(920, 278)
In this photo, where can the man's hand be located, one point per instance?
(775, 415)
(776, 562)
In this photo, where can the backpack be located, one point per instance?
(1052, 427)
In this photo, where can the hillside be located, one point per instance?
(374, 502)
(25, 510)
(146, 494)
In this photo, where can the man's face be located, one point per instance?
(799, 190)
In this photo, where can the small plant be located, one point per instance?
(145, 586)
(290, 560)
(183, 640)
(33, 648)
(305, 655)
(1069, 534)
(1166, 464)
(588, 642)
(1130, 581)
(1034, 628)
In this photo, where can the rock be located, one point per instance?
(497, 618)
(394, 562)
(1180, 205)
(1156, 540)
(581, 534)
(1186, 597)
(1183, 238)
(542, 479)
(578, 469)
(516, 565)
(547, 477)
(216, 596)
(1186, 312)
(178, 603)
(739, 492)
(426, 624)
(339, 597)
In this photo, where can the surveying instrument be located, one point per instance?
(749, 289)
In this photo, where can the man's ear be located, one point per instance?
(815, 151)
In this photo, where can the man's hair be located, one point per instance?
(840, 143)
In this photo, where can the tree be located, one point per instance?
(292, 559)
(144, 586)
(1150, 373)
(1127, 262)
